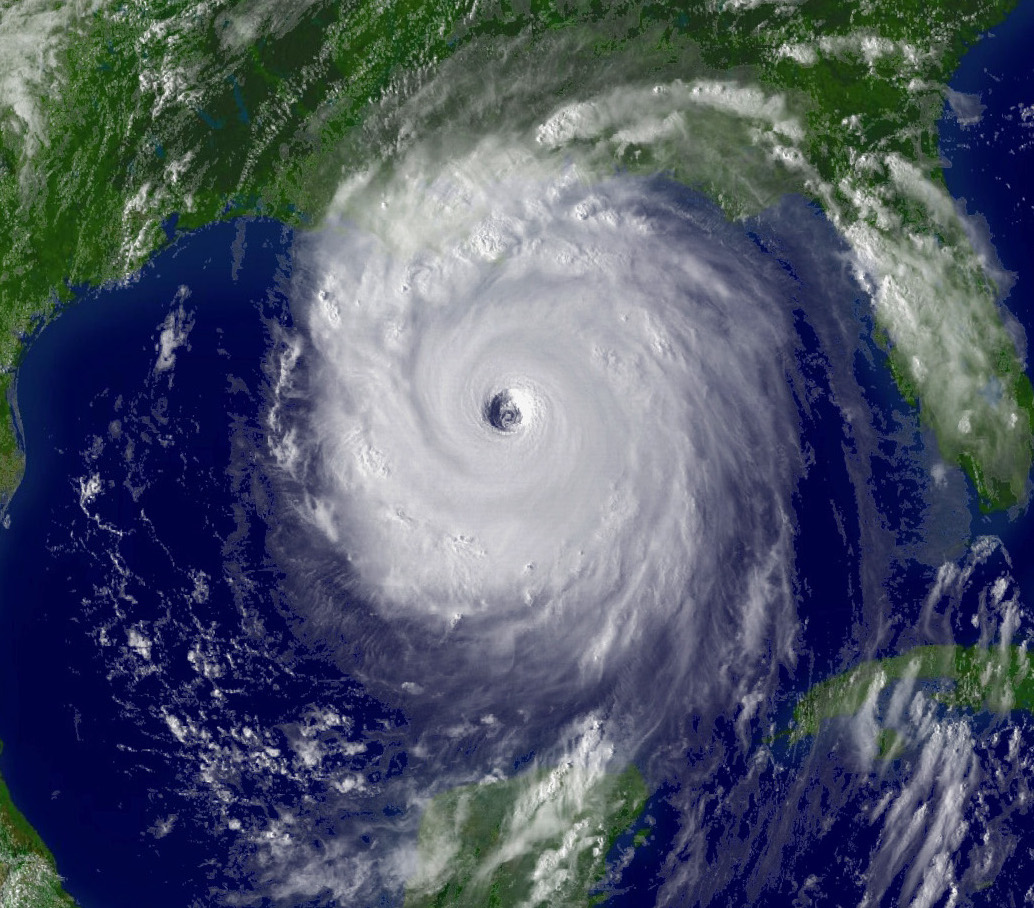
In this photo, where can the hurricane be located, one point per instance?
(526, 458)
(540, 431)
(534, 424)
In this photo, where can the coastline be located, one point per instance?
(28, 871)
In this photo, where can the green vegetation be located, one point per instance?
(28, 876)
(976, 678)
(12, 460)
(889, 744)
(538, 839)
(143, 110)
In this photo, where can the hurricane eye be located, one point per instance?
(502, 413)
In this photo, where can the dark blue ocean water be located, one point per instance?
(89, 757)
(991, 159)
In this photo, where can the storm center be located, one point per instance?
(502, 412)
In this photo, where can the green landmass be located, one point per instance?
(116, 116)
(12, 459)
(997, 679)
(28, 874)
(889, 744)
(540, 839)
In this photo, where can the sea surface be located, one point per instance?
(160, 547)
(139, 490)
(179, 516)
